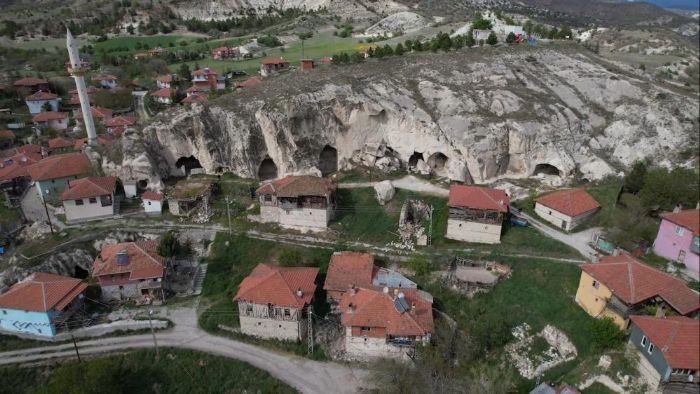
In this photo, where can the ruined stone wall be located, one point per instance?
(473, 232)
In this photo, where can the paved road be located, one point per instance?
(305, 375)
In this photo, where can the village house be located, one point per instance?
(273, 66)
(100, 115)
(619, 286)
(357, 270)
(157, 51)
(152, 203)
(479, 34)
(29, 85)
(165, 81)
(118, 124)
(14, 175)
(163, 96)
(41, 101)
(669, 349)
(106, 81)
(326, 60)
(306, 202)
(224, 53)
(90, 199)
(60, 145)
(7, 139)
(195, 98)
(272, 301)
(102, 139)
(188, 196)
(131, 271)
(678, 238)
(503, 30)
(51, 175)
(249, 83)
(52, 120)
(385, 323)
(566, 209)
(40, 304)
(206, 79)
(476, 214)
(74, 100)
(306, 64)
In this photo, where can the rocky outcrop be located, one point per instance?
(476, 115)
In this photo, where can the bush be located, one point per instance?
(269, 41)
(605, 334)
(510, 38)
(492, 39)
(419, 264)
(169, 246)
(482, 24)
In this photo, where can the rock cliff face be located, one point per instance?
(477, 115)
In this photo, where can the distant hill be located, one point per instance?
(674, 4)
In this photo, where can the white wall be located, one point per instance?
(557, 218)
(461, 230)
(305, 217)
(152, 207)
(88, 210)
(272, 328)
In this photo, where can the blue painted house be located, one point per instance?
(52, 174)
(669, 346)
(40, 101)
(40, 303)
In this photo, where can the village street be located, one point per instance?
(305, 375)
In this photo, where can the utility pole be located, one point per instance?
(228, 213)
(150, 324)
(430, 229)
(48, 217)
(75, 345)
(310, 330)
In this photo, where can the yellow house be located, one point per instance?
(619, 286)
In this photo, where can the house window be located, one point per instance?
(4, 312)
(149, 203)
(550, 212)
(249, 309)
(644, 340)
(78, 202)
(596, 284)
(364, 330)
(651, 348)
(286, 313)
(680, 231)
(267, 197)
(93, 200)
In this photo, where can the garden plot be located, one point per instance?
(533, 354)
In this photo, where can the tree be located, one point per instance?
(492, 40)
(184, 71)
(469, 40)
(634, 181)
(605, 333)
(482, 24)
(388, 50)
(169, 245)
(399, 50)
(510, 38)
(664, 189)
(130, 29)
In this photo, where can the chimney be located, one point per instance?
(300, 293)
(678, 208)
(349, 310)
(413, 307)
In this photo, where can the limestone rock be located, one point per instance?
(605, 361)
(385, 191)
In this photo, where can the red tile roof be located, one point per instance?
(30, 148)
(89, 187)
(570, 202)
(60, 142)
(102, 139)
(144, 262)
(269, 284)
(40, 96)
(275, 60)
(633, 282)
(476, 197)
(195, 98)
(690, 219)
(120, 121)
(97, 112)
(249, 83)
(49, 115)
(30, 81)
(165, 92)
(204, 72)
(677, 337)
(153, 196)
(374, 308)
(165, 78)
(297, 185)
(326, 60)
(41, 292)
(17, 166)
(60, 166)
(7, 135)
(348, 269)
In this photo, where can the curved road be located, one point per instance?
(305, 375)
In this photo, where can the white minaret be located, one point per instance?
(78, 74)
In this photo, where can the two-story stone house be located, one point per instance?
(302, 202)
(476, 214)
(272, 301)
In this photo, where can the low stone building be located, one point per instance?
(382, 323)
(90, 199)
(152, 203)
(302, 202)
(131, 271)
(476, 214)
(272, 301)
(273, 66)
(566, 209)
(189, 195)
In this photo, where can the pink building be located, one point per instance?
(679, 238)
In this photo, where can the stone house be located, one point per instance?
(273, 66)
(566, 209)
(50, 119)
(41, 101)
(303, 202)
(29, 85)
(106, 81)
(118, 124)
(348, 270)
(195, 98)
(165, 81)
(152, 203)
(678, 238)
(131, 271)
(224, 53)
(88, 199)
(189, 195)
(272, 301)
(51, 175)
(476, 214)
(620, 286)
(206, 79)
(40, 304)
(669, 349)
(60, 145)
(382, 323)
(164, 96)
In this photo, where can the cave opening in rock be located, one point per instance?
(142, 184)
(546, 169)
(188, 164)
(413, 160)
(80, 273)
(328, 160)
(267, 169)
(437, 162)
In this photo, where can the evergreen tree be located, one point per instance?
(492, 40)
(510, 38)
(469, 39)
(399, 51)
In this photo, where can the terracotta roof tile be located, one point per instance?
(249, 83)
(60, 166)
(690, 219)
(476, 197)
(374, 308)
(30, 148)
(165, 78)
(195, 98)
(165, 92)
(40, 96)
(274, 60)
(295, 186)
(677, 337)
(42, 292)
(153, 196)
(60, 142)
(7, 135)
(120, 121)
(144, 262)
(633, 282)
(269, 284)
(204, 72)
(347, 269)
(30, 81)
(49, 115)
(17, 166)
(97, 112)
(89, 187)
(570, 202)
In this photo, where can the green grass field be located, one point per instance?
(152, 42)
(177, 371)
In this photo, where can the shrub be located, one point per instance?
(419, 264)
(605, 333)
(510, 38)
(492, 40)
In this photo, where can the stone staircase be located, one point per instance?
(199, 279)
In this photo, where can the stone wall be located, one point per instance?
(273, 328)
(561, 220)
(473, 232)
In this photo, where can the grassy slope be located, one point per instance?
(177, 371)
(7, 215)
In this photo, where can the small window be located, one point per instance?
(364, 330)
(121, 287)
(4, 312)
(78, 202)
(596, 284)
(680, 231)
(651, 348)
(287, 313)
(249, 309)
(149, 203)
(550, 212)
(93, 200)
(644, 340)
